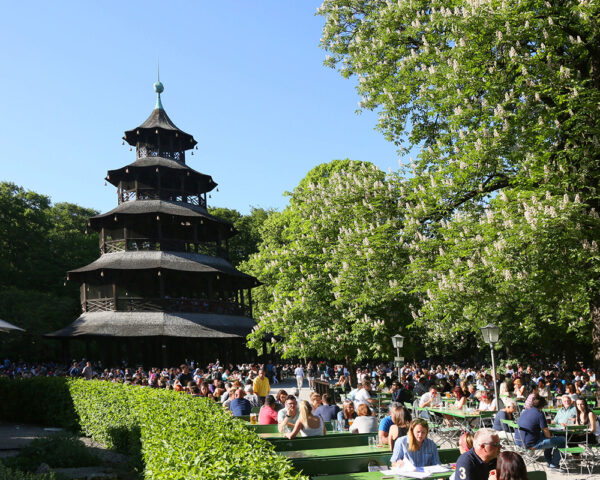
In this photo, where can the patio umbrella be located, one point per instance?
(7, 327)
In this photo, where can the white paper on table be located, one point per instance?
(405, 472)
(436, 469)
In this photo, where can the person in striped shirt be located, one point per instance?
(415, 448)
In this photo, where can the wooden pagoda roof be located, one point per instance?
(157, 324)
(158, 207)
(114, 176)
(148, 260)
(159, 120)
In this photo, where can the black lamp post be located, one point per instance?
(398, 342)
(491, 334)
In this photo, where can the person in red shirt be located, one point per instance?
(267, 414)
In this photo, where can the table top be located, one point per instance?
(333, 452)
(460, 413)
(569, 428)
(275, 435)
(373, 476)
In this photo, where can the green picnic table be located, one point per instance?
(333, 452)
(537, 475)
(464, 414)
(273, 428)
(333, 440)
(372, 476)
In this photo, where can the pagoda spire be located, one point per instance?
(158, 88)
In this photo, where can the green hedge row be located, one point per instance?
(175, 436)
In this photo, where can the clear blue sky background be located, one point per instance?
(245, 78)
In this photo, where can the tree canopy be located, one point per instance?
(332, 264)
(502, 205)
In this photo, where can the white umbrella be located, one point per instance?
(7, 327)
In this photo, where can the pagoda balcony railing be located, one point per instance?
(165, 245)
(146, 151)
(164, 194)
(183, 304)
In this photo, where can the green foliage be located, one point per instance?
(40, 242)
(245, 243)
(502, 204)
(7, 473)
(176, 436)
(41, 401)
(57, 451)
(332, 264)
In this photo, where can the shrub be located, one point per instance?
(176, 436)
(7, 473)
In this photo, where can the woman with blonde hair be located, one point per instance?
(415, 448)
(308, 425)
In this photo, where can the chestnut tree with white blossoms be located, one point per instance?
(502, 99)
(332, 264)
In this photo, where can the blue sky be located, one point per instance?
(245, 78)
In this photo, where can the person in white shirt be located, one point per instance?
(431, 398)
(299, 372)
(363, 395)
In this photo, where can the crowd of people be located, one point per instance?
(246, 388)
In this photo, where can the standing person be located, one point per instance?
(534, 434)
(87, 371)
(479, 461)
(261, 386)
(299, 373)
(311, 371)
(509, 466)
(415, 448)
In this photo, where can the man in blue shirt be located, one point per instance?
(239, 405)
(386, 422)
(477, 463)
(533, 433)
(327, 411)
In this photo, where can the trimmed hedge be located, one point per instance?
(176, 436)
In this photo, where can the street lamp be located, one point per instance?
(491, 334)
(398, 342)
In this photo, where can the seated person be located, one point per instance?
(507, 413)
(430, 399)
(401, 419)
(365, 422)
(415, 448)
(287, 416)
(328, 410)
(534, 434)
(567, 412)
(239, 405)
(386, 423)
(347, 414)
(267, 414)
(307, 425)
(479, 461)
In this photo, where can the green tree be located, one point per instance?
(502, 99)
(39, 242)
(332, 266)
(245, 243)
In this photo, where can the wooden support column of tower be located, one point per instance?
(115, 298)
(84, 297)
(102, 241)
(250, 301)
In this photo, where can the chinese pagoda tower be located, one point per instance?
(163, 289)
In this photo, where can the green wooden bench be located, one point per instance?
(537, 475)
(323, 441)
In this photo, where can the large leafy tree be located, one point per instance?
(245, 243)
(502, 100)
(39, 243)
(332, 266)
